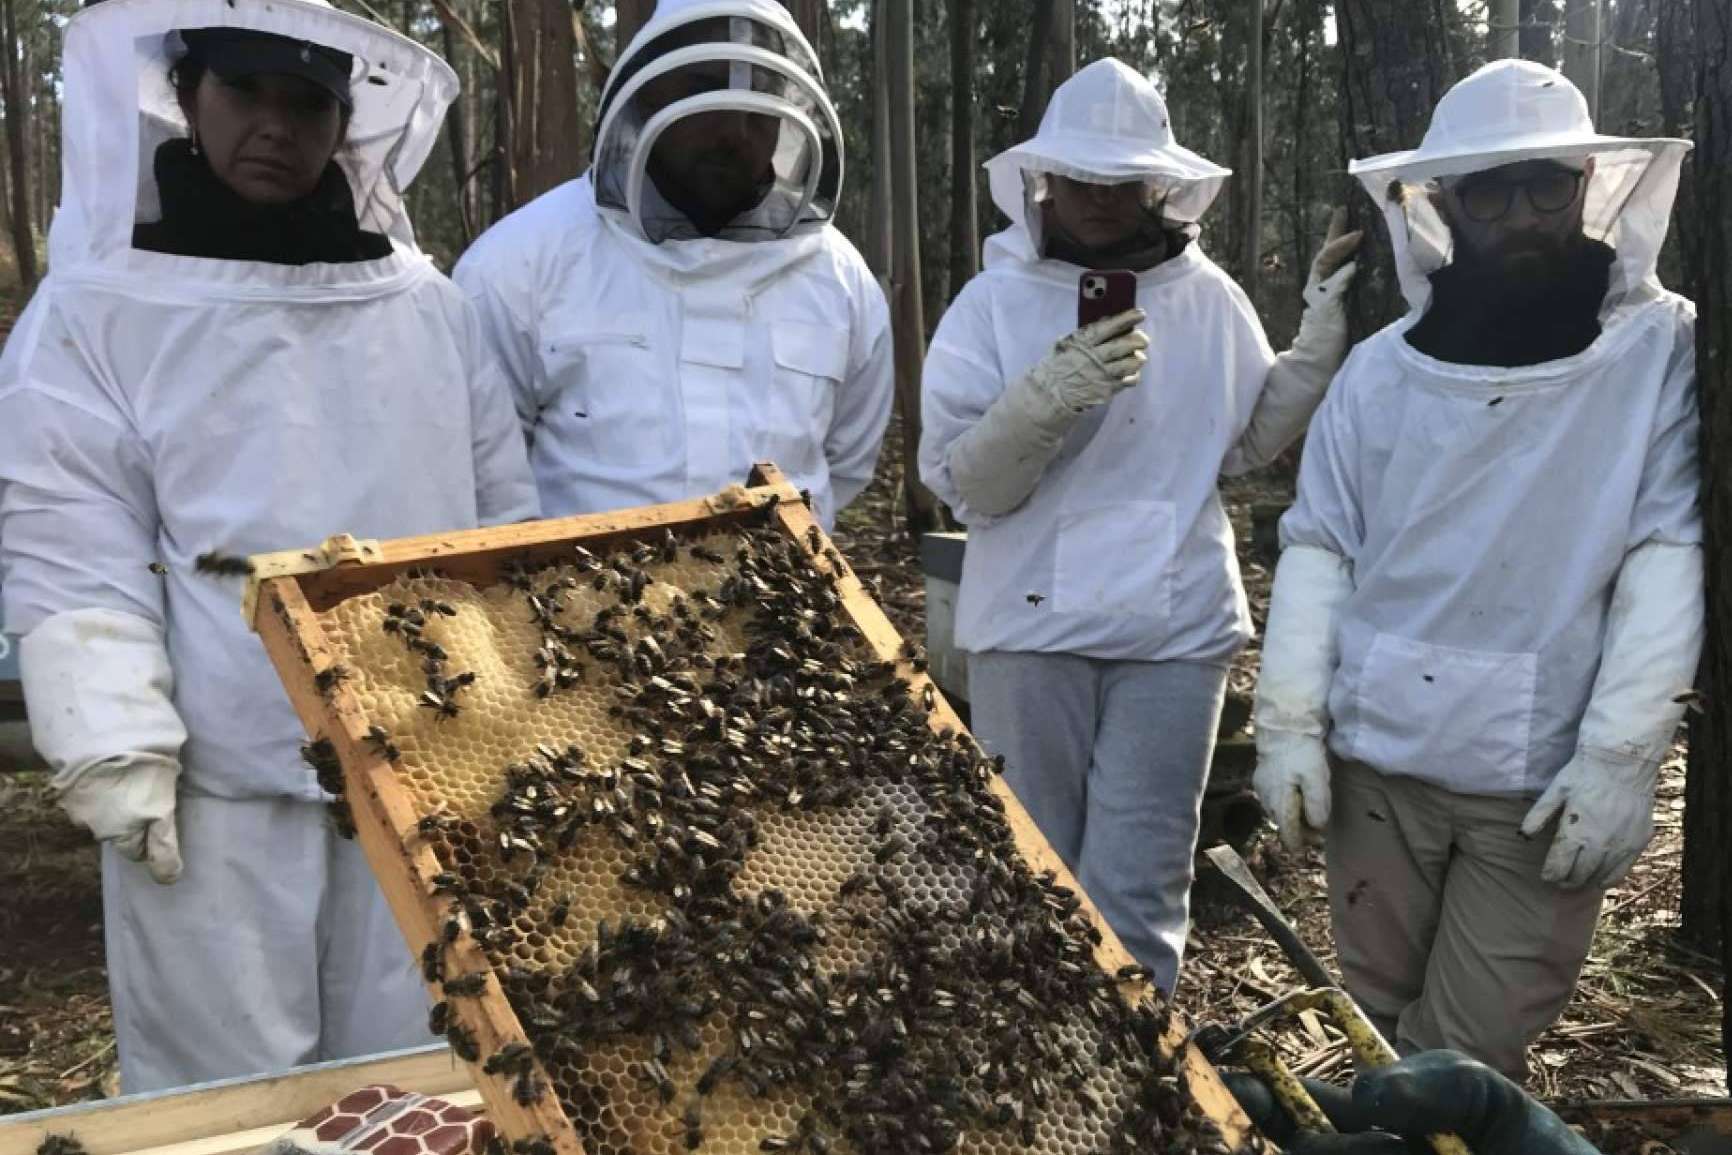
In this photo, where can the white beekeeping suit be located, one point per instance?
(653, 362)
(1100, 598)
(154, 408)
(1491, 591)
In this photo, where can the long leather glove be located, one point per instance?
(998, 462)
(1296, 382)
(1426, 1094)
(98, 689)
(1300, 653)
(1605, 794)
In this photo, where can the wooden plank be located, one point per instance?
(403, 863)
(168, 1119)
(476, 555)
(1204, 1081)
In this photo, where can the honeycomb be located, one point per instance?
(741, 895)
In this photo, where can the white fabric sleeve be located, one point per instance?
(100, 694)
(864, 398)
(1300, 644)
(1668, 505)
(1326, 510)
(504, 487)
(1296, 382)
(502, 292)
(78, 517)
(1654, 633)
(960, 381)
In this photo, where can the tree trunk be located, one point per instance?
(1063, 63)
(1034, 70)
(908, 316)
(1251, 255)
(12, 81)
(538, 69)
(880, 232)
(809, 15)
(1708, 797)
(629, 16)
(1582, 49)
(964, 217)
(1395, 58)
(1301, 151)
(1505, 18)
(1674, 44)
(457, 139)
(1539, 20)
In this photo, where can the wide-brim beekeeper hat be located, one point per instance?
(1105, 125)
(1508, 112)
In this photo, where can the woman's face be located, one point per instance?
(267, 136)
(1097, 215)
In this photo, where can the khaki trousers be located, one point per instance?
(1446, 934)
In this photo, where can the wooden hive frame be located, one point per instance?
(289, 591)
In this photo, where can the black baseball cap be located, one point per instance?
(233, 53)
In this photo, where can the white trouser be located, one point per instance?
(275, 949)
(1110, 759)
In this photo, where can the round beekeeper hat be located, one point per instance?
(1507, 112)
(1512, 111)
(1107, 125)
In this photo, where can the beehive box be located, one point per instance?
(695, 857)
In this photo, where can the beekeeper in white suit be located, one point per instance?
(685, 308)
(1492, 585)
(1100, 601)
(238, 349)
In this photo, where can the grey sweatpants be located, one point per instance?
(1446, 934)
(1110, 760)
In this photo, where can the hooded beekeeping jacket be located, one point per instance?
(154, 408)
(652, 363)
(1123, 549)
(1484, 512)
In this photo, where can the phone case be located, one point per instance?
(1104, 293)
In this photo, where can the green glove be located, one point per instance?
(1392, 1109)
(1445, 1091)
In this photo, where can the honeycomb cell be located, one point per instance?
(739, 893)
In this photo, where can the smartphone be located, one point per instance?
(1102, 293)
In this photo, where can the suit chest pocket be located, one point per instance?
(808, 363)
(606, 394)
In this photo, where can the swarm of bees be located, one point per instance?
(944, 990)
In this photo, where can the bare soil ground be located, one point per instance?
(1644, 1022)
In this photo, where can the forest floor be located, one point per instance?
(1644, 1022)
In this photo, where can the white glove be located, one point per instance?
(1604, 797)
(1300, 653)
(131, 806)
(1295, 383)
(1607, 807)
(998, 462)
(98, 689)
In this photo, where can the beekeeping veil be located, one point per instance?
(1105, 125)
(1512, 111)
(707, 56)
(120, 107)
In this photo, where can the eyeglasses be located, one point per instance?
(1488, 200)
